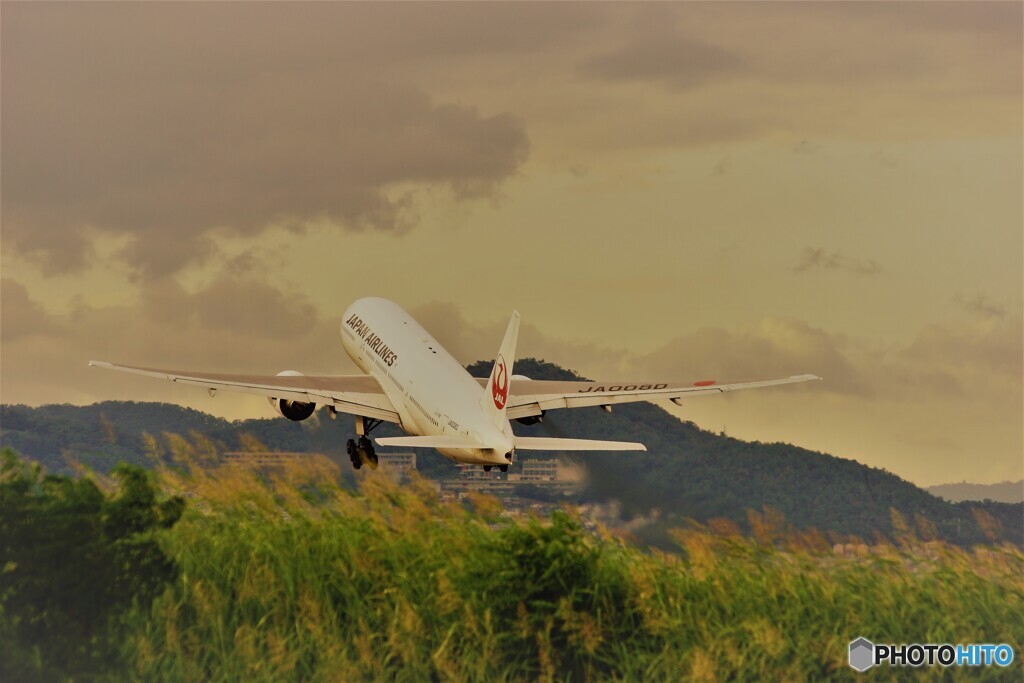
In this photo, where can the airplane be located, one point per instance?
(411, 380)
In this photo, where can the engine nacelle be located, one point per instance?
(296, 411)
(532, 419)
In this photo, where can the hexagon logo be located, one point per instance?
(862, 654)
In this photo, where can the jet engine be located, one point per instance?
(296, 411)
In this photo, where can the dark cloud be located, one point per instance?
(916, 45)
(665, 57)
(114, 122)
(812, 258)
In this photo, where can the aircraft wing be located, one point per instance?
(354, 394)
(528, 397)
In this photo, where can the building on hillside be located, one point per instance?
(536, 471)
(396, 466)
(473, 478)
(531, 472)
(474, 473)
(396, 462)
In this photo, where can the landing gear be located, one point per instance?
(361, 453)
(365, 425)
(487, 468)
(503, 468)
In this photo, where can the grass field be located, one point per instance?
(293, 578)
(285, 576)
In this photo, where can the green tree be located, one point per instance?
(72, 560)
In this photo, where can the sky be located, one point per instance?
(681, 191)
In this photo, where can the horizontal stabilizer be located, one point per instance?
(532, 443)
(429, 442)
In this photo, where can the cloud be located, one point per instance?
(229, 325)
(815, 258)
(234, 305)
(918, 46)
(470, 342)
(979, 304)
(988, 21)
(992, 344)
(665, 57)
(22, 317)
(131, 134)
(953, 358)
(807, 147)
(234, 320)
(773, 347)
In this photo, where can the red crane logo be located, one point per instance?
(499, 387)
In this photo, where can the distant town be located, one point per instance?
(545, 473)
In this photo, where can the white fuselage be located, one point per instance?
(432, 393)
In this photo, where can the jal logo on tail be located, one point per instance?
(499, 387)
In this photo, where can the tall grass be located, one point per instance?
(288, 576)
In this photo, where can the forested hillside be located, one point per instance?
(687, 472)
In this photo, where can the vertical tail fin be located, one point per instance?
(496, 392)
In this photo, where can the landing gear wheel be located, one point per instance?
(487, 468)
(353, 454)
(366, 453)
(503, 468)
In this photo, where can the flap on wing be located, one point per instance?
(540, 443)
(353, 394)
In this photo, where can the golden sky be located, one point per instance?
(662, 190)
